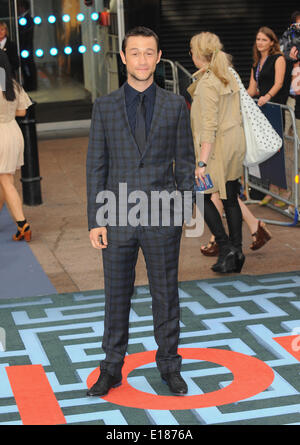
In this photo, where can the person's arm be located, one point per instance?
(96, 173)
(184, 155)
(21, 113)
(294, 54)
(280, 66)
(252, 89)
(207, 103)
(13, 56)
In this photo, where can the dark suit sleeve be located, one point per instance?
(12, 54)
(185, 156)
(96, 165)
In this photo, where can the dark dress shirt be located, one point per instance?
(131, 101)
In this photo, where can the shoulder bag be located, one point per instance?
(262, 141)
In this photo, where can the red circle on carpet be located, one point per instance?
(250, 377)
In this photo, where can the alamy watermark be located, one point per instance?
(152, 209)
(2, 340)
(2, 80)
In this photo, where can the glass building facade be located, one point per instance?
(68, 53)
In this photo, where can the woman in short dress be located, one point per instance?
(13, 102)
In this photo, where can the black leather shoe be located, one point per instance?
(226, 262)
(104, 383)
(175, 382)
(239, 261)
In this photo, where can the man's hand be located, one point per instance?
(95, 235)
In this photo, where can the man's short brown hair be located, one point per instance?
(140, 31)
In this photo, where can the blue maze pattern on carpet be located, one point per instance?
(244, 314)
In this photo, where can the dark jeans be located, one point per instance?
(233, 215)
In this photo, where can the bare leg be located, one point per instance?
(2, 200)
(248, 217)
(12, 197)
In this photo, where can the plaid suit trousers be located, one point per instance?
(161, 250)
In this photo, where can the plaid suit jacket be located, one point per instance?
(167, 163)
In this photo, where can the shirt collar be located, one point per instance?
(132, 93)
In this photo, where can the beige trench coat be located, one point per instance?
(216, 118)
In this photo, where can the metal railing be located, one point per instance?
(294, 201)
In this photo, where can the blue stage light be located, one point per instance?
(80, 17)
(68, 50)
(96, 48)
(22, 21)
(24, 54)
(37, 20)
(82, 49)
(39, 53)
(53, 51)
(95, 16)
(66, 18)
(51, 19)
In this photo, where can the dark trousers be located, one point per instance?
(233, 215)
(161, 251)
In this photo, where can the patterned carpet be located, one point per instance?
(239, 342)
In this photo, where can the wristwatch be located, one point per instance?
(202, 164)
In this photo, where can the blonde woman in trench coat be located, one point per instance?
(219, 144)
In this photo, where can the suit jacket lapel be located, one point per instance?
(120, 99)
(157, 113)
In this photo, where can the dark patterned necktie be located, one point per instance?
(140, 123)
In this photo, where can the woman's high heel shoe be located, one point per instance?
(23, 233)
(226, 262)
(239, 261)
(262, 236)
(211, 249)
(265, 200)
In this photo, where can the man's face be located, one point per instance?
(2, 32)
(141, 57)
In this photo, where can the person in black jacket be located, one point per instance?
(9, 47)
(290, 46)
(26, 33)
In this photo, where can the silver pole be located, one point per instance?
(17, 38)
(121, 22)
(32, 7)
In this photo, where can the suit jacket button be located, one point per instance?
(141, 165)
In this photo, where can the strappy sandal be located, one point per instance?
(266, 200)
(211, 249)
(23, 233)
(262, 236)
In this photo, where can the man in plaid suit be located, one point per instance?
(140, 137)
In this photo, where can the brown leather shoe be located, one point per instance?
(211, 249)
(262, 236)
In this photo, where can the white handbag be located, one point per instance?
(262, 141)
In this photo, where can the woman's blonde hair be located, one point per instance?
(208, 45)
